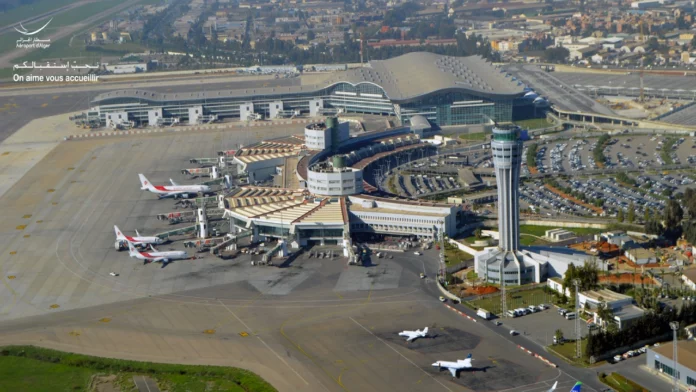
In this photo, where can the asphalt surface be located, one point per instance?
(558, 92)
(16, 110)
(315, 325)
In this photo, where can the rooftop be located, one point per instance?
(403, 78)
(628, 312)
(686, 352)
(605, 294)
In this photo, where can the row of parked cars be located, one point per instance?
(519, 312)
(631, 353)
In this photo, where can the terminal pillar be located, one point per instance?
(246, 110)
(202, 223)
(194, 114)
(154, 116)
(275, 109)
(315, 107)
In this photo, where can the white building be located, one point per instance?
(127, 68)
(326, 136)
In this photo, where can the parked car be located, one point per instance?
(443, 299)
(514, 333)
(617, 358)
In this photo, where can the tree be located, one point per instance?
(646, 215)
(620, 216)
(558, 335)
(556, 55)
(478, 233)
(673, 215)
(631, 213)
(654, 227)
(311, 35)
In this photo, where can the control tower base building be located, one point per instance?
(507, 263)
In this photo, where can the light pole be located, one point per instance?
(675, 326)
(578, 342)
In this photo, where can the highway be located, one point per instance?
(557, 92)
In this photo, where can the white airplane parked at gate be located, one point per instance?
(454, 367)
(137, 240)
(156, 255)
(413, 335)
(175, 190)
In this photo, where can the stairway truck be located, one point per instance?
(484, 314)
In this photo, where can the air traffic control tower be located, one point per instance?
(506, 147)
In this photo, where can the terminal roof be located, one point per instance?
(402, 78)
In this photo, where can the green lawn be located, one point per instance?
(517, 299)
(567, 350)
(478, 136)
(527, 240)
(454, 256)
(27, 368)
(540, 231)
(621, 383)
(534, 123)
(24, 374)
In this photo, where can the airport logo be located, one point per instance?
(32, 42)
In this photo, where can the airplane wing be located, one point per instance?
(412, 338)
(153, 248)
(173, 183)
(453, 371)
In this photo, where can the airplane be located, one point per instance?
(454, 367)
(175, 190)
(413, 335)
(156, 255)
(138, 240)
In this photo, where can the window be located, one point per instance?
(665, 369)
(690, 381)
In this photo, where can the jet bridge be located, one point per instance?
(179, 231)
(231, 242)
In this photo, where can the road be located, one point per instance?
(558, 93)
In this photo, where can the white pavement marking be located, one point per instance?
(401, 355)
(262, 341)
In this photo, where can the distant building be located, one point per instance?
(689, 278)
(559, 234)
(641, 256)
(127, 68)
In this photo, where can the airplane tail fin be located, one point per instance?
(425, 330)
(173, 183)
(136, 233)
(468, 356)
(132, 252)
(119, 235)
(144, 183)
(577, 387)
(553, 388)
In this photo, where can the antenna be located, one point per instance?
(362, 39)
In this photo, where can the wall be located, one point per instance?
(348, 182)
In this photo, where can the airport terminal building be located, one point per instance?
(327, 195)
(445, 90)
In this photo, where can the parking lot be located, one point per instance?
(541, 327)
(644, 186)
